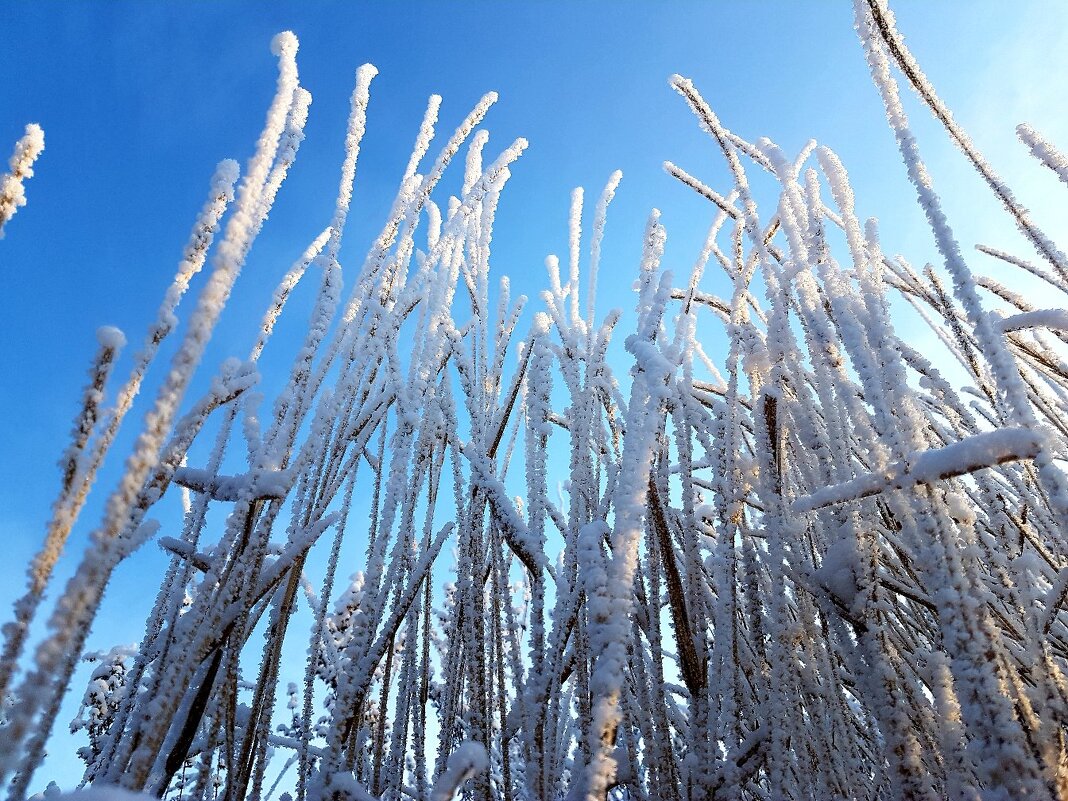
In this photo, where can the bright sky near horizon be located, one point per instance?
(139, 101)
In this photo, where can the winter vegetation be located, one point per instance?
(816, 570)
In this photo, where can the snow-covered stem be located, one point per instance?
(46, 683)
(12, 190)
(883, 19)
(73, 468)
(1044, 150)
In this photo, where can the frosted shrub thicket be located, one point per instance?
(819, 571)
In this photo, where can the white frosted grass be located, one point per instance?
(1045, 318)
(74, 493)
(1003, 368)
(1044, 150)
(68, 506)
(574, 243)
(76, 609)
(473, 164)
(883, 20)
(960, 458)
(288, 146)
(74, 469)
(220, 195)
(599, 222)
(424, 138)
(12, 184)
(353, 137)
(285, 287)
(797, 564)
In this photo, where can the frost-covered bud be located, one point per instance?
(285, 44)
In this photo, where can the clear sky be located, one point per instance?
(140, 100)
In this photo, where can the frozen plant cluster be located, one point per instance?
(817, 570)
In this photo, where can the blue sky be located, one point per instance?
(140, 100)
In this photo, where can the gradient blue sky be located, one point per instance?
(140, 100)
